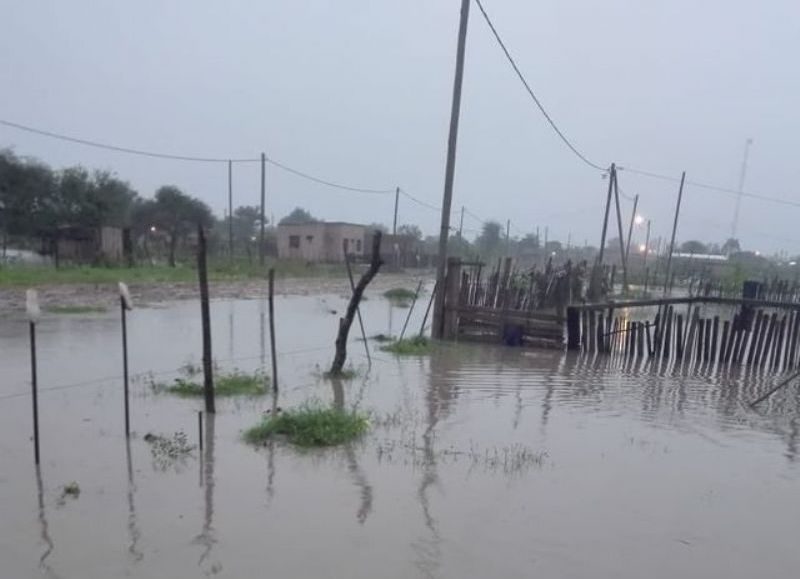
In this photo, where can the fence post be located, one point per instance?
(451, 294)
(573, 329)
(205, 314)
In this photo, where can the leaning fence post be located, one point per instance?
(32, 307)
(124, 306)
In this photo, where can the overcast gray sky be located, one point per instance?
(359, 91)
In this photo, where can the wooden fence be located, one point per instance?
(710, 330)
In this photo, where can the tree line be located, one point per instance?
(39, 206)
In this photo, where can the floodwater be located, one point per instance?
(482, 461)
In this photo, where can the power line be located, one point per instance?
(528, 88)
(419, 201)
(708, 186)
(189, 158)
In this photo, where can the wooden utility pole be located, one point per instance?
(461, 225)
(621, 243)
(646, 244)
(263, 203)
(396, 204)
(508, 237)
(611, 174)
(230, 210)
(450, 169)
(674, 230)
(205, 315)
(630, 227)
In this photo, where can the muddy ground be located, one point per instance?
(12, 299)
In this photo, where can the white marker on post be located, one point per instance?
(32, 305)
(125, 294)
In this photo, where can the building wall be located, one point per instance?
(319, 242)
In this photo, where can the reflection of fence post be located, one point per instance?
(573, 329)
(451, 293)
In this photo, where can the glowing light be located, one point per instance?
(152, 229)
(638, 220)
(642, 248)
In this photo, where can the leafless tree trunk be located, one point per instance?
(355, 299)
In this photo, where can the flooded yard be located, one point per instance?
(480, 460)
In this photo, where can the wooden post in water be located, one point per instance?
(33, 310)
(724, 341)
(125, 306)
(714, 339)
(410, 310)
(358, 307)
(205, 314)
(451, 298)
(273, 348)
(573, 329)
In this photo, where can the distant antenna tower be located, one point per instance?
(735, 224)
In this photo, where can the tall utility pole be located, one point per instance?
(630, 227)
(461, 225)
(396, 203)
(611, 175)
(674, 229)
(742, 174)
(508, 237)
(646, 245)
(263, 207)
(438, 310)
(230, 210)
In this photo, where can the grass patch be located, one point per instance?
(235, 383)
(310, 426)
(218, 270)
(345, 374)
(416, 346)
(399, 294)
(76, 309)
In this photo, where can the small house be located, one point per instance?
(89, 245)
(318, 242)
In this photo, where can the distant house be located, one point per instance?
(320, 241)
(89, 245)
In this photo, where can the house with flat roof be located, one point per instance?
(320, 241)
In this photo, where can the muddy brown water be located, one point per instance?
(481, 461)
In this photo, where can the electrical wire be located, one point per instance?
(419, 201)
(528, 88)
(167, 156)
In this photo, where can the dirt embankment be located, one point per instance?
(12, 299)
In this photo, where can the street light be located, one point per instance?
(642, 248)
(638, 220)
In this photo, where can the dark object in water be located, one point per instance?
(512, 334)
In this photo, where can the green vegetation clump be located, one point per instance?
(235, 383)
(310, 426)
(399, 294)
(72, 490)
(76, 309)
(416, 346)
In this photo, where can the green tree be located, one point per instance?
(177, 214)
(730, 246)
(488, 241)
(693, 246)
(298, 215)
(411, 231)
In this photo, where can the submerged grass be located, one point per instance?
(235, 383)
(310, 426)
(399, 294)
(76, 309)
(416, 346)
